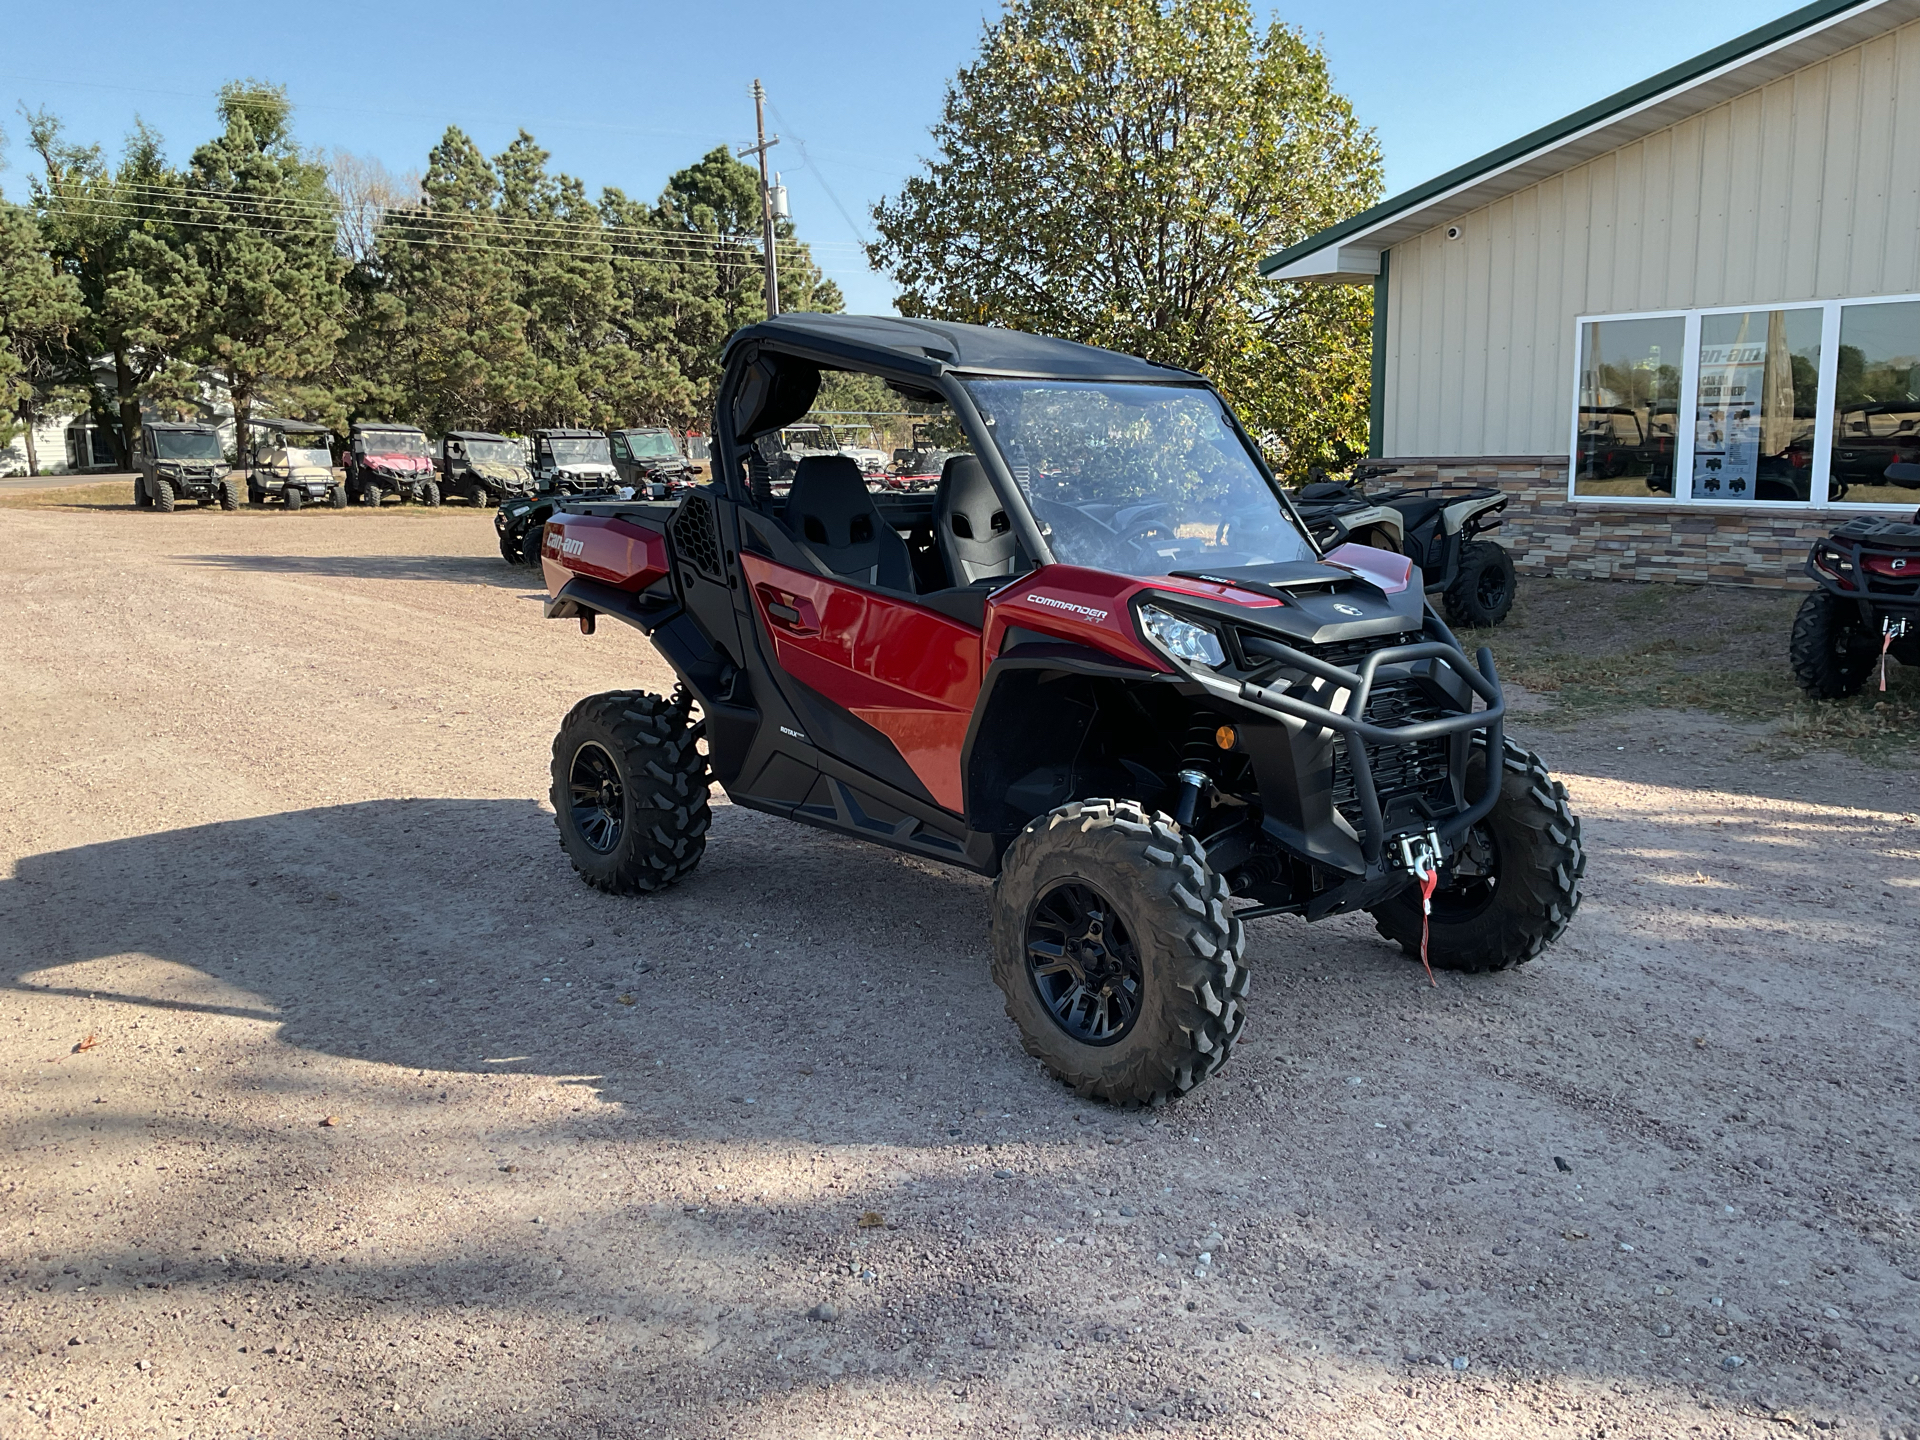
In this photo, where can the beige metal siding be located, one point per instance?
(1805, 189)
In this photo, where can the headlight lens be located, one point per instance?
(1182, 639)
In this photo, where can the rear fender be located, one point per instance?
(1456, 516)
(617, 552)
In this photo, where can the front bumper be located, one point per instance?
(1321, 744)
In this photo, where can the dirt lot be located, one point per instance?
(326, 1113)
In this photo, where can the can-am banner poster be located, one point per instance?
(1726, 431)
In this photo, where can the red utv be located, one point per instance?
(1102, 661)
(385, 459)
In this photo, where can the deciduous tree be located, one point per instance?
(1113, 171)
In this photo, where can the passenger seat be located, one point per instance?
(975, 537)
(831, 513)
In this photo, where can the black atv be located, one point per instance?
(1867, 608)
(483, 468)
(1103, 661)
(182, 462)
(1435, 526)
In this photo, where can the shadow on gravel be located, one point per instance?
(1387, 1159)
(485, 570)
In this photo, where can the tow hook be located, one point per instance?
(1890, 631)
(1420, 857)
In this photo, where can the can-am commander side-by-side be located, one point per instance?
(386, 459)
(291, 462)
(1102, 661)
(485, 469)
(182, 461)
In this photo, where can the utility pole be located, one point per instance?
(766, 194)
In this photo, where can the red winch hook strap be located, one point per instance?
(1886, 644)
(1429, 879)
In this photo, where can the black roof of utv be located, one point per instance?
(476, 435)
(928, 347)
(552, 434)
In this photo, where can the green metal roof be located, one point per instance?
(1675, 78)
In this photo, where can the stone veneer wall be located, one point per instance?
(1550, 535)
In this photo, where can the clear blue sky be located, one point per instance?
(624, 94)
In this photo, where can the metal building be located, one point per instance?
(1681, 325)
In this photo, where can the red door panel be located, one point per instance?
(911, 673)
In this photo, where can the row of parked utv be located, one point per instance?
(293, 463)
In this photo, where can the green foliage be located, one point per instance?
(39, 308)
(1113, 171)
(114, 231)
(261, 231)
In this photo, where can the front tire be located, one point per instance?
(337, 497)
(229, 495)
(372, 495)
(430, 493)
(294, 497)
(1115, 947)
(1482, 593)
(630, 791)
(1512, 884)
(477, 495)
(163, 494)
(532, 541)
(1832, 651)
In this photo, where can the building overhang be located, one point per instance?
(1339, 255)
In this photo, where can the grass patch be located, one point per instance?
(1592, 646)
(96, 495)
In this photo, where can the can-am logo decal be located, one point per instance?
(1066, 605)
(1348, 609)
(572, 547)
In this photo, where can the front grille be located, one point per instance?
(1402, 774)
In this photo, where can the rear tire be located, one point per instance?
(163, 494)
(1158, 939)
(1482, 593)
(256, 497)
(1528, 859)
(294, 497)
(629, 791)
(141, 499)
(1832, 651)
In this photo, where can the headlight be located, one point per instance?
(1182, 639)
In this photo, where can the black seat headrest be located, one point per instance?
(831, 512)
(970, 524)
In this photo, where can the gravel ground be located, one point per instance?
(335, 1105)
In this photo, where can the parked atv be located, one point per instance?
(485, 469)
(1867, 608)
(1434, 526)
(649, 456)
(1120, 677)
(181, 462)
(289, 461)
(386, 459)
(572, 462)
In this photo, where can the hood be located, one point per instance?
(401, 462)
(498, 471)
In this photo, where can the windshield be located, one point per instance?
(1140, 479)
(591, 451)
(697, 448)
(648, 447)
(394, 442)
(186, 445)
(321, 458)
(493, 452)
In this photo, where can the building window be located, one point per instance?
(1787, 405)
(1629, 403)
(1877, 402)
(1756, 405)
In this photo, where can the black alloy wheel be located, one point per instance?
(597, 799)
(1494, 589)
(1084, 964)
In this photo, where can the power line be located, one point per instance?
(807, 160)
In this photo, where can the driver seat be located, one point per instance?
(831, 513)
(970, 524)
